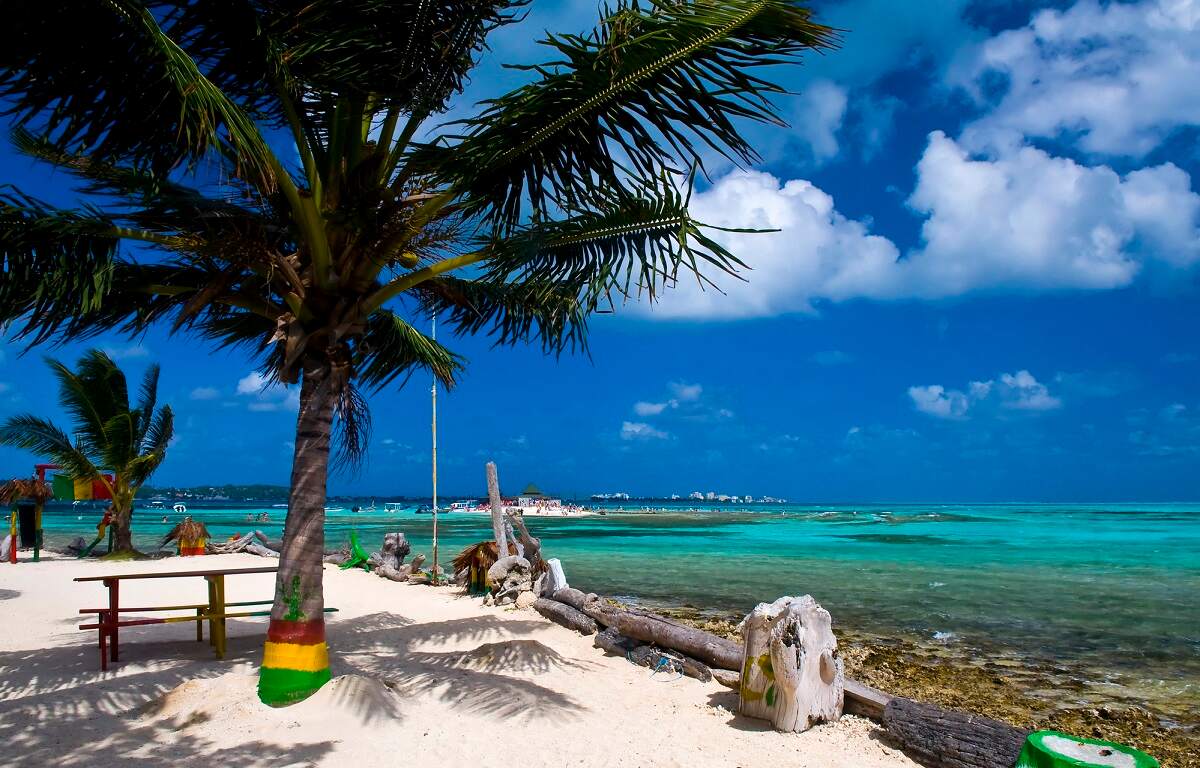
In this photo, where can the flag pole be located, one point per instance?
(433, 578)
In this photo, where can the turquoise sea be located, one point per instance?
(1110, 592)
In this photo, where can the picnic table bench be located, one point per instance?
(215, 611)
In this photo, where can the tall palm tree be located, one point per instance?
(272, 174)
(130, 441)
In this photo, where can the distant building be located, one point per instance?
(532, 497)
(710, 496)
(696, 496)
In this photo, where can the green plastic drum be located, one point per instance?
(1051, 749)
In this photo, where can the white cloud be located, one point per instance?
(1026, 220)
(642, 408)
(1022, 391)
(1117, 78)
(1017, 391)
(251, 384)
(267, 396)
(637, 430)
(936, 400)
(1016, 220)
(686, 393)
(818, 116)
(205, 393)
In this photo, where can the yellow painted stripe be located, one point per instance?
(302, 658)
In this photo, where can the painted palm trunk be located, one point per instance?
(296, 658)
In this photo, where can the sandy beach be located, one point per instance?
(421, 675)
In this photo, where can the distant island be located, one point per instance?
(255, 492)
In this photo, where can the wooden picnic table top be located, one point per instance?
(180, 574)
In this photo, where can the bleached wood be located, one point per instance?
(791, 672)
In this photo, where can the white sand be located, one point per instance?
(423, 676)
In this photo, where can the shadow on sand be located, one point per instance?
(58, 708)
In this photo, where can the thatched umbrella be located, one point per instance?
(26, 489)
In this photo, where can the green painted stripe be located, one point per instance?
(280, 687)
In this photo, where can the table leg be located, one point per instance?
(199, 625)
(220, 579)
(103, 644)
(114, 599)
(212, 611)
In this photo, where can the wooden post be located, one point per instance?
(493, 482)
(791, 673)
(37, 533)
(433, 573)
(12, 550)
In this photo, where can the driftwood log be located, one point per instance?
(255, 543)
(493, 484)
(791, 673)
(528, 545)
(565, 615)
(652, 658)
(943, 738)
(573, 597)
(658, 630)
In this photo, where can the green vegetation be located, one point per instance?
(109, 433)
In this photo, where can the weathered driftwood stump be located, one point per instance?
(943, 738)
(791, 673)
(509, 577)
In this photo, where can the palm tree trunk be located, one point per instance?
(296, 659)
(122, 524)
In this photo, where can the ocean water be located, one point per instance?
(1110, 592)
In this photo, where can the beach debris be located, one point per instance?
(527, 545)
(565, 615)
(493, 484)
(666, 633)
(791, 672)
(254, 543)
(391, 555)
(526, 600)
(650, 657)
(475, 560)
(727, 678)
(508, 577)
(945, 738)
(555, 579)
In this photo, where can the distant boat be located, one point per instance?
(335, 509)
(394, 506)
(180, 508)
(424, 509)
(156, 505)
(279, 506)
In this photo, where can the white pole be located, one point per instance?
(434, 577)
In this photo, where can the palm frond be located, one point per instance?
(43, 438)
(391, 348)
(632, 100)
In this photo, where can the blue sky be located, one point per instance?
(984, 288)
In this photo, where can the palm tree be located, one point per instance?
(110, 434)
(273, 175)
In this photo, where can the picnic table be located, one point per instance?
(215, 611)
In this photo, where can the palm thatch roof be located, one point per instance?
(532, 490)
(25, 489)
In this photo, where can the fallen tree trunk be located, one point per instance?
(573, 597)
(658, 630)
(565, 615)
(943, 738)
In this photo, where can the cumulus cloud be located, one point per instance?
(818, 116)
(265, 396)
(1026, 220)
(1018, 219)
(1017, 391)
(1115, 78)
(638, 430)
(682, 393)
(205, 393)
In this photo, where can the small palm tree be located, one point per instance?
(128, 441)
(273, 175)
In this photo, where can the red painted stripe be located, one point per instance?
(297, 632)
